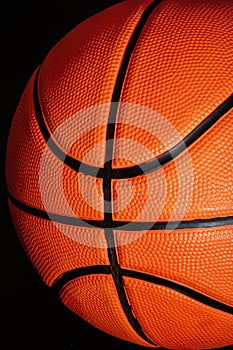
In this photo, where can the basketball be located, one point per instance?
(119, 171)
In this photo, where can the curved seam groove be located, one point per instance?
(175, 151)
(136, 170)
(65, 158)
(107, 179)
(142, 276)
(191, 293)
(121, 225)
(68, 276)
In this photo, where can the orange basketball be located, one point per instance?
(119, 171)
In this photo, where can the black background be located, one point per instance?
(31, 316)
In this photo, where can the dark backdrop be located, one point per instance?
(31, 316)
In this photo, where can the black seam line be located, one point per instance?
(120, 288)
(105, 269)
(133, 171)
(80, 272)
(122, 225)
(174, 152)
(65, 158)
(107, 179)
(179, 288)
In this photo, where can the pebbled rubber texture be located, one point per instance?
(55, 249)
(191, 257)
(183, 323)
(180, 69)
(105, 310)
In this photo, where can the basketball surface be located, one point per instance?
(119, 172)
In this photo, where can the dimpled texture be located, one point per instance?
(181, 68)
(81, 70)
(104, 311)
(56, 248)
(200, 259)
(198, 184)
(183, 323)
(36, 177)
(179, 72)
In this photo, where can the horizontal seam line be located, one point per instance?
(123, 225)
